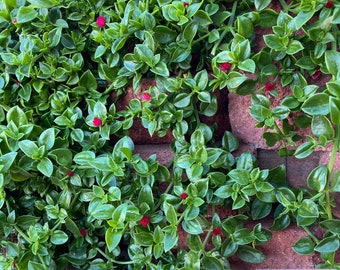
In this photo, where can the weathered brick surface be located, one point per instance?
(279, 253)
(163, 152)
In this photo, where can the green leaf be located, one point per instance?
(190, 31)
(250, 255)
(170, 213)
(211, 263)
(274, 42)
(35, 266)
(247, 65)
(112, 238)
(260, 209)
(328, 244)
(317, 104)
(321, 126)
(6, 161)
(44, 3)
(47, 138)
(335, 185)
(304, 246)
(294, 47)
(192, 226)
(17, 115)
(261, 4)
(317, 179)
(332, 59)
(59, 237)
(45, 166)
(182, 100)
(240, 176)
(334, 106)
(170, 238)
(308, 210)
(164, 35)
(26, 14)
(88, 81)
(332, 224)
(29, 148)
(202, 18)
(304, 150)
(63, 156)
(146, 196)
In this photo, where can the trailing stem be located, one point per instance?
(335, 149)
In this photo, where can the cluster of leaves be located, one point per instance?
(73, 190)
(301, 51)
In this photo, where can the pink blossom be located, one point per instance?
(269, 86)
(185, 4)
(97, 122)
(144, 221)
(329, 4)
(225, 66)
(70, 173)
(217, 231)
(83, 232)
(101, 21)
(15, 20)
(183, 196)
(146, 97)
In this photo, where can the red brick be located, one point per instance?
(279, 253)
(163, 152)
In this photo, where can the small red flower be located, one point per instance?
(82, 232)
(225, 66)
(4, 251)
(183, 196)
(144, 221)
(17, 82)
(146, 97)
(316, 75)
(185, 4)
(269, 86)
(329, 4)
(101, 21)
(97, 122)
(15, 20)
(70, 173)
(217, 231)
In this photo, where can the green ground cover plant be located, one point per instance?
(74, 194)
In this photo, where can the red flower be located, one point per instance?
(101, 21)
(15, 20)
(217, 231)
(185, 4)
(225, 66)
(183, 196)
(97, 122)
(17, 82)
(146, 97)
(82, 232)
(144, 221)
(329, 4)
(316, 75)
(70, 173)
(269, 86)
(4, 251)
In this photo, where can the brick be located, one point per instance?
(163, 152)
(279, 253)
(241, 123)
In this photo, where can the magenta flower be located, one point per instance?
(144, 221)
(269, 86)
(15, 20)
(316, 74)
(146, 97)
(82, 232)
(329, 4)
(70, 173)
(217, 231)
(97, 122)
(185, 4)
(183, 196)
(101, 21)
(225, 66)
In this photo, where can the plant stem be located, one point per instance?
(310, 234)
(330, 169)
(284, 5)
(22, 234)
(228, 29)
(112, 260)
